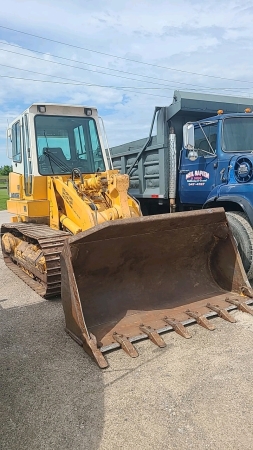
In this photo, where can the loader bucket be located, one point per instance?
(130, 279)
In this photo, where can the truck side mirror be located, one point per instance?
(188, 136)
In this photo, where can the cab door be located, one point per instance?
(198, 178)
(26, 156)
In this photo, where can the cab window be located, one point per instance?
(16, 142)
(204, 134)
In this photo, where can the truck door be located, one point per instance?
(197, 178)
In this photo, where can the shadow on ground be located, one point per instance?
(51, 392)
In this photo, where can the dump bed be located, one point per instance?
(149, 178)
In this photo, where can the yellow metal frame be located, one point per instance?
(29, 208)
(72, 205)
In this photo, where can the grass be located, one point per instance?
(3, 198)
(3, 192)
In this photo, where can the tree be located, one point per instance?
(5, 170)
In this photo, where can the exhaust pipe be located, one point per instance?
(172, 169)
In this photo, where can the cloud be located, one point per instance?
(190, 36)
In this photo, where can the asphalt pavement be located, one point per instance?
(194, 394)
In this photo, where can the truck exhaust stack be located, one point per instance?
(127, 280)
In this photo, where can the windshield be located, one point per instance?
(65, 143)
(238, 134)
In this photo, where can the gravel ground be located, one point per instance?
(194, 394)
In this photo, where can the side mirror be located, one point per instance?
(8, 137)
(188, 136)
(9, 134)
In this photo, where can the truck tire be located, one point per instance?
(243, 234)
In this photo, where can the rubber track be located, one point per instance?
(51, 243)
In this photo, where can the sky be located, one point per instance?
(122, 56)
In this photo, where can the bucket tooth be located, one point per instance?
(242, 306)
(125, 344)
(223, 313)
(90, 346)
(153, 335)
(178, 327)
(200, 319)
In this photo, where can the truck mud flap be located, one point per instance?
(131, 279)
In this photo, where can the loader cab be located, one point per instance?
(64, 143)
(49, 139)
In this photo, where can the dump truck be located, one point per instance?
(199, 156)
(77, 232)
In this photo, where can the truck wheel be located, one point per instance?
(243, 234)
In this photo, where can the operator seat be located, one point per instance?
(59, 157)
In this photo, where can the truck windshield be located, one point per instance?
(65, 143)
(238, 134)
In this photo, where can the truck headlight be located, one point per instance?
(243, 170)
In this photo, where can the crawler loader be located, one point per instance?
(76, 232)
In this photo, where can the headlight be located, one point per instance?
(243, 170)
